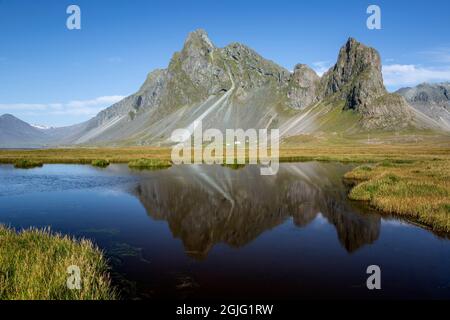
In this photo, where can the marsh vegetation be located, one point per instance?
(143, 164)
(34, 264)
(419, 190)
(100, 163)
(27, 164)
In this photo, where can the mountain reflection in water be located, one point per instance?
(173, 233)
(206, 205)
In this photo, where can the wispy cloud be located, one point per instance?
(75, 107)
(440, 54)
(400, 75)
(321, 67)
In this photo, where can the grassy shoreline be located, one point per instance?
(352, 153)
(34, 266)
(149, 164)
(417, 190)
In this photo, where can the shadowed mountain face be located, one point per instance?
(207, 205)
(234, 87)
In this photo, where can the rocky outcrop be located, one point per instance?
(304, 87)
(195, 72)
(387, 112)
(433, 100)
(250, 70)
(356, 77)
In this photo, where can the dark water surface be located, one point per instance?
(214, 232)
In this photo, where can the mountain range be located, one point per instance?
(431, 100)
(235, 87)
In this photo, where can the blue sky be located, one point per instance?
(54, 76)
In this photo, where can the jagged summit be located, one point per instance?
(357, 79)
(198, 38)
(356, 76)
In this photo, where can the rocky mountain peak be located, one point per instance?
(356, 76)
(303, 87)
(198, 41)
(304, 75)
(196, 72)
(240, 52)
(356, 79)
(355, 57)
(251, 70)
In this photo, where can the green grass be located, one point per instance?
(418, 190)
(338, 120)
(33, 266)
(27, 164)
(143, 164)
(100, 163)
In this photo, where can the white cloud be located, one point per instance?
(401, 75)
(321, 67)
(105, 100)
(75, 107)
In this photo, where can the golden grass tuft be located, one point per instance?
(33, 266)
(418, 190)
(143, 164)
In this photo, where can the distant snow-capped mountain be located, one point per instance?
(42, 127)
